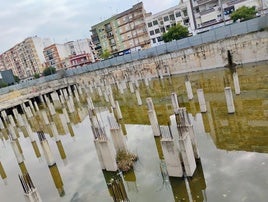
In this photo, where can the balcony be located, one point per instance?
(207, 11)
(94, 38)
(110, 35)
(233, 2)
(139, 15)
(108, 29)
(141, 25)
(200, 2)
(129, 30)
(209, 23)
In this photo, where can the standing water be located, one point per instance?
(233, 147)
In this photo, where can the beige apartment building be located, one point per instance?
(56, 55)
(2, 65)
(122, 33)
(26, 58)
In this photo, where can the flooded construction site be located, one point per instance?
(200, 136)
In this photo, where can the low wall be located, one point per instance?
(249, 48)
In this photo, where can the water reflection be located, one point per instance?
(222, 176)
(116, 186)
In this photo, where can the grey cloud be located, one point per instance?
(60, 20)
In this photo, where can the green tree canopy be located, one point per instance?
(175, 33)
(3, 84)
(105, 54)
(244, 13)
(17, 79)
(49, 71)
(36, 76)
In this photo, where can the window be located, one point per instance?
(154, 41)
(185, 13)
(166, 18)
(155, 22)
(152, 32)
(172, 17)
(167, 27)
(186, 21)
(150, 24)
(157, 31)
(159, 38)
(162, 29)
(178, 14)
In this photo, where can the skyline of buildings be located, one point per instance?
(131, 30)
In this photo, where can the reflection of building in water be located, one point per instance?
(2, 172)
(130, 181)
(55, 134)
(191, 188)
(18, 153)
(198, 184)
(51, 163)
(179, 189)
(30, 192)
(54, 171)
(245, 130)
(116, 186)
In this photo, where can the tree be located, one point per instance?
(49, 71)
(17, 79)
(244, 13)
(36, 75)
(105, 54)
(3, 84)
(175, 33)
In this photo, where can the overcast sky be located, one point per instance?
(61, 20)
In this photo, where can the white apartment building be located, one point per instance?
(159, 23)
(60, 55)
(210, 14)
(82, 46)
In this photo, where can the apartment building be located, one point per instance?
(159, 23)
(213, 13)
(70, 54)
(56, 55)
(2, 65)
(80, 59)
(82, 46)
(122, 33)
(26, 58)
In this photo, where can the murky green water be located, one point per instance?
(233, 147)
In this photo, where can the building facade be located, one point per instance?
(214, 13)
(122, 33)
(80, 59)
(56, 55)
(159, 23)
(70, 54)
(2, 64)
(26, 58)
